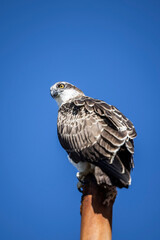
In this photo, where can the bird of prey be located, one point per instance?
(97, 136)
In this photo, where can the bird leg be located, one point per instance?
(80, 176)
(84, 169)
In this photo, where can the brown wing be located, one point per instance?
(91, 130)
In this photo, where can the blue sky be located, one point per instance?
(110, 50)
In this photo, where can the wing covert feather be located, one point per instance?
(94, 131)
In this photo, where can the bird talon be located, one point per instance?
(80, 187)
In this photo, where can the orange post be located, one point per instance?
(96, 210)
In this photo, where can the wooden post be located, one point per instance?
(96, 210)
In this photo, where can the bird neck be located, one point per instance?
(67, 96)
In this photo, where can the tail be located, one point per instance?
(118, 175)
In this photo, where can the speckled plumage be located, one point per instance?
(95, 132)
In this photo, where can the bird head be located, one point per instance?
(63, 91)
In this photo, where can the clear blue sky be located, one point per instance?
(110, 50)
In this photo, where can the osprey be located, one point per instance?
(97, 136)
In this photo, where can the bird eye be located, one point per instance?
(61, 86)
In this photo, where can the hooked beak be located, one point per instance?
(53, 92)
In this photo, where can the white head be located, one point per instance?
(63, 91)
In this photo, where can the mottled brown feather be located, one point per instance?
(94, 131)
